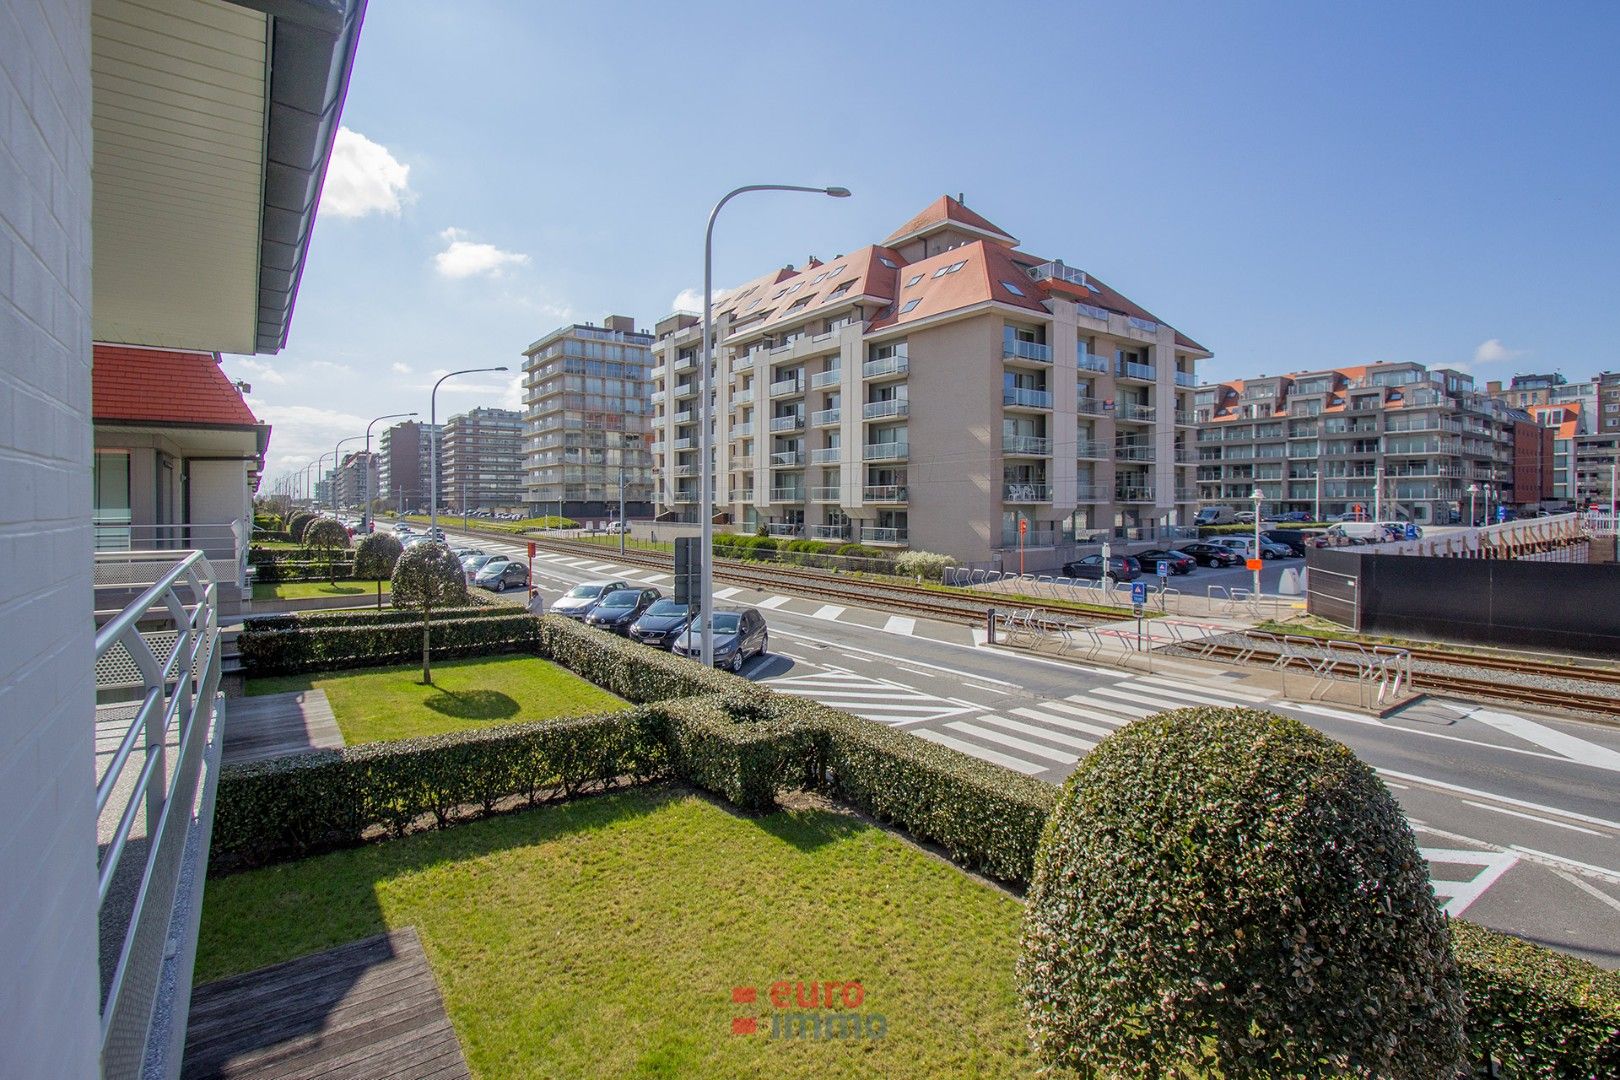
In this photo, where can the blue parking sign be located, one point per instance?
(1411, 531)
(1138, 592)
(1164, 567)
(1501, 513)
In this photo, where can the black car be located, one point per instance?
(738, 636)
(1211, 554)
(1292, 539)
(660, 624)
(1090, 568)
(619, 608)
(1180, 562)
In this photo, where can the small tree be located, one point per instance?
(296, 521)
(374, 559)
(326, 537)
(923, 564)
(428, 575)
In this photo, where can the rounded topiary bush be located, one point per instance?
(1227, 891)
(296, 522)
(428, 573)
(375, 556)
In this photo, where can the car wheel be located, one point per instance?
(500, 584)
(737, 663)
(764, 645)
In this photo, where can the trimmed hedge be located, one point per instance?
(631, 671)
(744, 763)
(288, 652)
(316, 620)
(275, 570)
(1536, 1012)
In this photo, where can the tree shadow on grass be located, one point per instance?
(473, 704)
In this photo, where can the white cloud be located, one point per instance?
(692, 299)
(331, 367)
(363, 178)
(300, 433)
(400, 369)
(463, 258)
(1494, 352)
(256, 370)
(512, 397)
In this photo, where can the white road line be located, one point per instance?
(1215, 685)
(1127, 712)
(1039, 732)
(1532, 817)
(1138, 697)
(914, 663)
(1589, 889)
(1545, 856)
(1523, 804)
(1333, 714)
(1577, 750)
(991, 735)
(1196, 695)
(829, 612)
(992, 756)
(899, 624)
(726, 594)
(772, 602)
(1464, 893)
(1063, 722)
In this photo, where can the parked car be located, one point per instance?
(620, 608)
(1397, 529)
(463, 552)
(738, 637)
(471, 564)
(1288, 538)
(1180, 562)
(617, 527)
(1364, 532)
(1320, 538)
(660, 624)
(1245, 546)
(1090, 568)
(500, 574)
(1211, 554)
(581, 600)
(1294, 515)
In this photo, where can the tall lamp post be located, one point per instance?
(337, 462)
(433, 446)
(706, 430)
(1256, 497)
(365, 511)
(1473, 521)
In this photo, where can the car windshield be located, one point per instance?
(585, 592)
(621, 598)
(723, 623)
(667, 607)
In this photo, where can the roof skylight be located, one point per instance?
(910, 304)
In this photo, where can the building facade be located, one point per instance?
(403, 464)
(355, 477)
(481, 461)
(942, 390)
(587, 394)
(1396, 440)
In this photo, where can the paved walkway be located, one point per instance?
(370, 1008)
(257, 728)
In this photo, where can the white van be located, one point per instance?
(1215, 515)
(1365, 532)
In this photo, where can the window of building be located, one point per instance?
(890, 263)
(909, 305)
(883, 312)
(752, 305)
(836, 271)
(914, 281)
(1010, 287)
(795, 287)
(942, 271)
(841, 290)
(799, 303)
(820, 278)
(954, 267)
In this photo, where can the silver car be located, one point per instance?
(581, 600)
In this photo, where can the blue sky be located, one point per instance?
(1294, 185)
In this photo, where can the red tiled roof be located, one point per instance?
(985, 266)
(163, 386)
(945, 209)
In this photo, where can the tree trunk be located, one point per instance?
(379, 594)
(427, 669)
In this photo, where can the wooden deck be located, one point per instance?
(368, 1009)
(257, 728)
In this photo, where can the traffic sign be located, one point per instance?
(1411, 531)
(1254, 564)
(1138, 592)
(1164, 568)
(1023, 526)
(1501, 513)
(531, 549)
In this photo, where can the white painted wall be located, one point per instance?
(48, 973)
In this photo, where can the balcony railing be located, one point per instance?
(1055, 270)
(1027, 493)
(685, 470)
(882, 410)
(1088, 361)
(1030, 538)
(787, 459)
(783, 528)
(740, 495)
(1186, 378)
(1090, 493)
(825, 417)
(1128, 369)
(743, 397)
(826, 378)
(1027, 350)
(1126, 410)
(1026, 444)
(827, 532)
(742, 363)
(1089, 406)
(1147, 326)
(684, 416)
(870, 535)
(786, 387)
(888, 365)
(825, 493)
(1133, 494)
(787, 494)
(1093, 449)
(224, 545)
(658, 396)
(686, 364)
(885, 493)
(885, 451)
(790, 422)
(743, 430)
(684, 444)
(1134, 451)
(1186, 418)
(1026, 398)
(824, 455)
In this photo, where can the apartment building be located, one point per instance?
(403, 464)
(481, 460)
(353, 476)
(1399, 440)
(587, 394)
(941, 390)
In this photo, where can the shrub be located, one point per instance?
(1535, 1011)
(296, 522)
(860, 551)
(1229, 892)
(429, 574)
(316, 620)
(325, 537)
(375, 556)
(923, 564)
(744, 763)
(302, 569)
(318, 648)
(631, 671)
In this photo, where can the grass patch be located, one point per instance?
(382, 704)
(491, 525)
(304, 590)
(603, 937)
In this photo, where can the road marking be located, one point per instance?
(1584, 887)
(726, 594)
(770, 603)
(1130, 712)
(1532, 817)
(915, 663)
(1600, 871)
(1590, 820)
(875, 699)
(992, 756)
(899, 624)
(829, 612)
(1332, 714)
(1463, 893)
(991, 735)
(1137, 696)
(1039, 732)
(1577, 750)
(1215, 685)
(1063, 722)
(1196, 696)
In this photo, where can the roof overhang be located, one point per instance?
(213, 124)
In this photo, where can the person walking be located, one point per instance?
(537, 603)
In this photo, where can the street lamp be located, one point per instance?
(433, 446)
(337, 463)
(365, 511)
(1473, 521)
(706, 431)
(1256, 497)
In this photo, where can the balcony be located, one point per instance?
(742, 363)
(683, 417)
(1027, 350)
(885, 451)
(1055, 270)
(1129, 493)
(1087, 361)
(1026, 445)
(686, 390)
(1187, 379)
(684, 496)
(1027, 493)
(825, 417)
(787, 494)
(887, 367)
(884, 410)
(1127, 410)
(1126, 369)
(685, 470)
(827, 532)
(885, 493)
(1092, 311)
(1086, 492)
(787, 387)
(1089, 406)
(1185, 418)
(1021, 397)
(790, 422)
(783, 528)
(659, 372)
(787, 459)
(740, 495)
(684, 444)
(743, 397)
(1093, 449)
(743, 430)
(659, 447)
(826, 378)
(658, 396)
(686, 364)
(1134, 451)
(1147, 326)
(825, 455)
(1032, 538)
(824, 494)
(871, 535)
(1185, 494)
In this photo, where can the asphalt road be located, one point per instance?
(1515, 810)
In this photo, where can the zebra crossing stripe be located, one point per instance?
(1069, 709)
(830, 612)
(773, 602)
(1031, 729)
(899, 624)
(983, 754)
(1195, 696)
(726, 594)
(1138, 697)
(1025, 745)
(1129, 712)
(1212, 685)
(1063, 722)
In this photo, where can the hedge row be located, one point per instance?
(313, 570)
(633, 672)
(287, 652)
(317, 620)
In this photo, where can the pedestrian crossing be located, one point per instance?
(876, 699)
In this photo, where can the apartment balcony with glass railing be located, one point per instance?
(1090, 406)
(1088, 492)
(825, 493)
(783, 528)
(1129, 369)
(743, 397)
(1036, 445)
(1089, 361)
(1186, 418)
(685, 470)
(787, 387)
(739, 495)
(787, 494)
(885, 367)
(683, 417)
(658, 396)
(884, 410)
(1027, 350)
(1021, 397)
(871, 535)
(1126, 410)
(825, 455)
(1125, 451)
(1093, 449)
(684, 444)
(885, 451)
(1026, 493)
(787, 459)
(825, 417)
(825, 378)
(790, 422)
(827, 532)
(1028, 538)
(742, 431)
(742, 363)
(1187, 379)
(686, 364)
(885, 493)
(1133, 493)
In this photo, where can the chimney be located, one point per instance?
(811, 263)
(961, 197)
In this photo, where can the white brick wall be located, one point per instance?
(48, 971)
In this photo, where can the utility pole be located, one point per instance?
(623, 525)
(1378, 493)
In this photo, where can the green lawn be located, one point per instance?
(603, 938)
(302, 590)
(381, 704)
